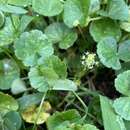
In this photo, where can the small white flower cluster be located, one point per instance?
(89, 60)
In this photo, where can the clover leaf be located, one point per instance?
(31, 46)
(102, 28)
(122, 107)
(122, 83)
(60, 33)
(51, 75)
(107, 52)
(9, 71)
(76, 12)
(47, 7)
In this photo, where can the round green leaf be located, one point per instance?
(8, 73)
(47, 7)
(42, 77)
(76, 12)
(2, 19)
(107, 52)
(7, 103)
(118, 9)
(60, 33)
(124, 51)
(14, 118)
(18, 86)
(31, 46)
(102, 28)
(122, 107)
(122, 83)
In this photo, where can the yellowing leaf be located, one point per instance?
(30, 114)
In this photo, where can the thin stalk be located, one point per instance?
(82, 102)
(81, 32)
(40, 107)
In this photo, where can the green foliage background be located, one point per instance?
(53, 57)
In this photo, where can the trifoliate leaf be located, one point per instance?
(47, 7)
(107, 52)
(7, 33)
(76, 12)
(122, 83)
(122, 107)
(12, 9)
(60, 33)
(31, 46)
(44, 75)
(124, 51)
(18, 86)
(57, 119)
(7, 103)
(102, 28)
(118, 9)
(8, 73)
(30, 114)
(2, 19)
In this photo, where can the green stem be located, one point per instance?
(96, 18)
(40, 107)
(81, 32)
(81, 101)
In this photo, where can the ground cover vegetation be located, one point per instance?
(64, 65)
